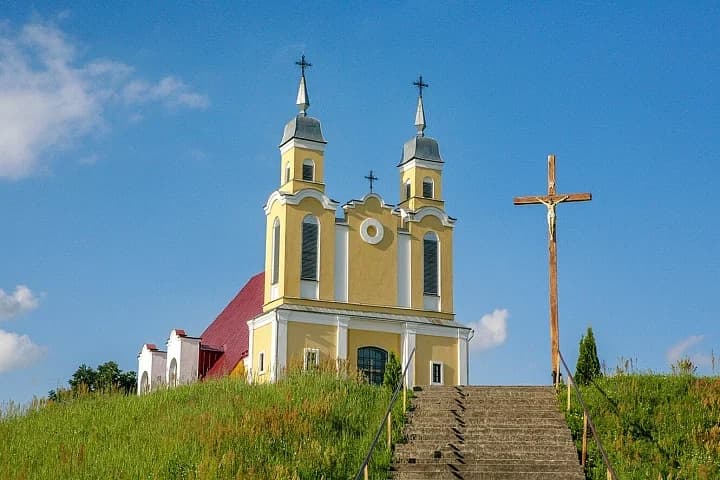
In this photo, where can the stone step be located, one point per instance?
(487, 433)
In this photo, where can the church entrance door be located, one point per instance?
(371, 362)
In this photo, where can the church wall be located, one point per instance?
(366, 338)
(262, 343)
(305, 335)
(439, 349)
(418, 231)
(372, 269)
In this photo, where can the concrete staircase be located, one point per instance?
(486, 433)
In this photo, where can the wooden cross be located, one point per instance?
(551, 200)
(371, 178)
(303, 64)
(419, 83)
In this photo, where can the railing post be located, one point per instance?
(568, 396)
(366, 472)
(389, 431)
(584, 439)
(404, 397)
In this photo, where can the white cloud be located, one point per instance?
(20, 301)
(680, 350)
(17, 351)
(49, 98)
(490, 331)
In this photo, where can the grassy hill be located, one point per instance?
(309, 426)
(653, 426)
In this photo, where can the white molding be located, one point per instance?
(342, 338)
(416, 162)
(363, 200)
(342, 236)
(442, 373)
(432, 302)
(423, 212)
(301, 143)
(299, 196)
(365, 234)
(280, 345)
(462, 360)
(274, 291)
(404, 266)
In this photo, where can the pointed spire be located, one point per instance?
(420, 112)
(303, 99)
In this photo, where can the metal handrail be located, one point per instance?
(400, 384)
(613, 475)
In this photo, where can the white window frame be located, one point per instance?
(408, 190)
(316, 351)
(275, 258)
(442, 373)
(287, 172)
(261, 363)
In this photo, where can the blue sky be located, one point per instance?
(138, 145)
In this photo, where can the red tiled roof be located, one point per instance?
(151, 346)
(229, 331)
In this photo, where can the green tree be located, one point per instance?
(392, 372)
(83, 379)
(108, 375)
(588, 365)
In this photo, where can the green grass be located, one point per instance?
(309, 426)
(652, 426)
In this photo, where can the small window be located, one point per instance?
(430, 264)
(427, 187)
(436, 373)
(172, 374)
(275, 252)
(308, 170)
(261, 362)
(312, 358)
(144, 383)
(408, 190)
(287, 172)
(309, 266)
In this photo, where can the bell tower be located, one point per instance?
(421, 164)
(302, 148)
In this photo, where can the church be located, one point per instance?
(343, 285)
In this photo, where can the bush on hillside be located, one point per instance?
(588, 364)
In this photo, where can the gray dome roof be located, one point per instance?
(304, 128)
(421, 148)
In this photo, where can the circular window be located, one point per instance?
(371, 231)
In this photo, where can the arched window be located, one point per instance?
(430, 264)
(308, 170)
(275, 276)
(310, 240)
(144, 383)
(428, 188)
(371, 362)
(172, 376)
(287, 172)
(408, 190)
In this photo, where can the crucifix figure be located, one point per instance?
(303, 64)
(551, 200)
(371, 178)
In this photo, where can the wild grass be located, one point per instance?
(652, 426)
(308, 426)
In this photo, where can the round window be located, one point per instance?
(371, 231)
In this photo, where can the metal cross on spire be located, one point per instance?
(420, 84)
(371, 178)
(303, 65)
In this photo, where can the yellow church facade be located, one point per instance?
(348, 284)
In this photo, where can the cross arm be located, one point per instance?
(570, 197)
